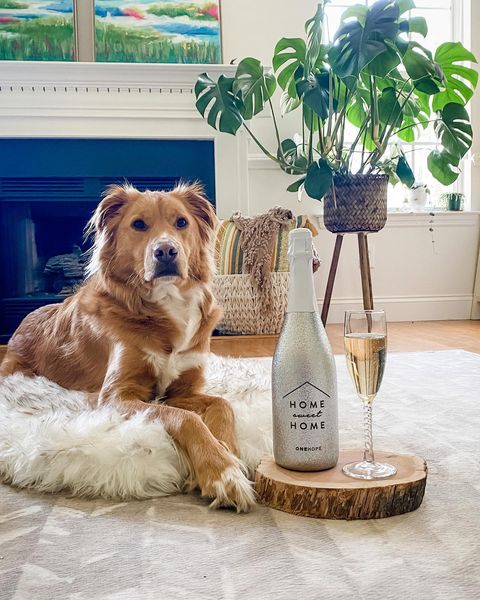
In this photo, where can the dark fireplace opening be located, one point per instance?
(48, 191)
(41, 242)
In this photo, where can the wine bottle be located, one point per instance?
(304, 379)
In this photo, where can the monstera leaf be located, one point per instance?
(319, 179)
(461, 81)
(453, 130)
(388, 60)
(362, 40)
(287, 103)
(455, 133)
(217, 102)
(404, 172)
(384, 63)
(414, 25)
(357, 110)
(253, 85)
(389, 108)
(425, 73)
(443, 166)
(289, 63)
(405, 5)
(314, 31)
(315, 93)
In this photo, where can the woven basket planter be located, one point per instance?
(356, 203)
(242, 308)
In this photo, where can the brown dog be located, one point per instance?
(139, 328)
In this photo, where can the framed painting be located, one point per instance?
(37, 30)
(159, 31)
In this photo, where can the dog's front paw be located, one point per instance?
(227, 485)
(232, 489)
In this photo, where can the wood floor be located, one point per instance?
(418, 336)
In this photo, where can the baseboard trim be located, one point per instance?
(408, 308)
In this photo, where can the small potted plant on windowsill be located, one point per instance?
(453, 201)
(374, 76)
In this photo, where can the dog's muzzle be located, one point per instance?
(165, 257)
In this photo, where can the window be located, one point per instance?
(443, 18)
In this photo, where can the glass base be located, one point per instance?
(369, 470)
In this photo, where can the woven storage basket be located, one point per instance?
(241, 305)
(356, 203)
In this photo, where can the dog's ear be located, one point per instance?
(194, 196)
(115, 198)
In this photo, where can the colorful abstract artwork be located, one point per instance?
(36, 30)
(161, 31)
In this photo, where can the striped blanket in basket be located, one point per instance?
(234, 289)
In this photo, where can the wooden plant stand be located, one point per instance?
(364, 271)
(332, 495)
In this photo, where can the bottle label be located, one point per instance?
(306, 404)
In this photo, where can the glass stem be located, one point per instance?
(368, 455)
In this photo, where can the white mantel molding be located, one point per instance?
(103, 100)
(60, 77)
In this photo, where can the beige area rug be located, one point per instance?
(55, 547)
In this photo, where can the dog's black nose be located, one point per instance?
(165, 252)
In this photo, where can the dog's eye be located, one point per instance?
(181, 223)
(139, 225)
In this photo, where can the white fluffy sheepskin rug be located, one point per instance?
(52, 440)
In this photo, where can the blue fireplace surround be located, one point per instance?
(48, 190)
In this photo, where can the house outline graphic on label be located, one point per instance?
(307, 383)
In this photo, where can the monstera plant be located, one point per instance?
(374, 86)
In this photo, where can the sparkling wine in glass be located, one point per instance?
(365, 338)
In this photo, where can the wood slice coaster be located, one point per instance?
(332, 495)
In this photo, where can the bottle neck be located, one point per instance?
(301, 291)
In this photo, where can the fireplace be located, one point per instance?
(48, 190)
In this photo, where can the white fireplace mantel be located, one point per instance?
(140, 77)
(86, 100)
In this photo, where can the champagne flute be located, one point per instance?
(365, 337)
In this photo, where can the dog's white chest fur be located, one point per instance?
(185, 311)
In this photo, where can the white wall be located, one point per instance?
(413, 278)
(472, 23)
(252, 27)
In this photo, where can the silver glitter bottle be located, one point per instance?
(304, 379)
